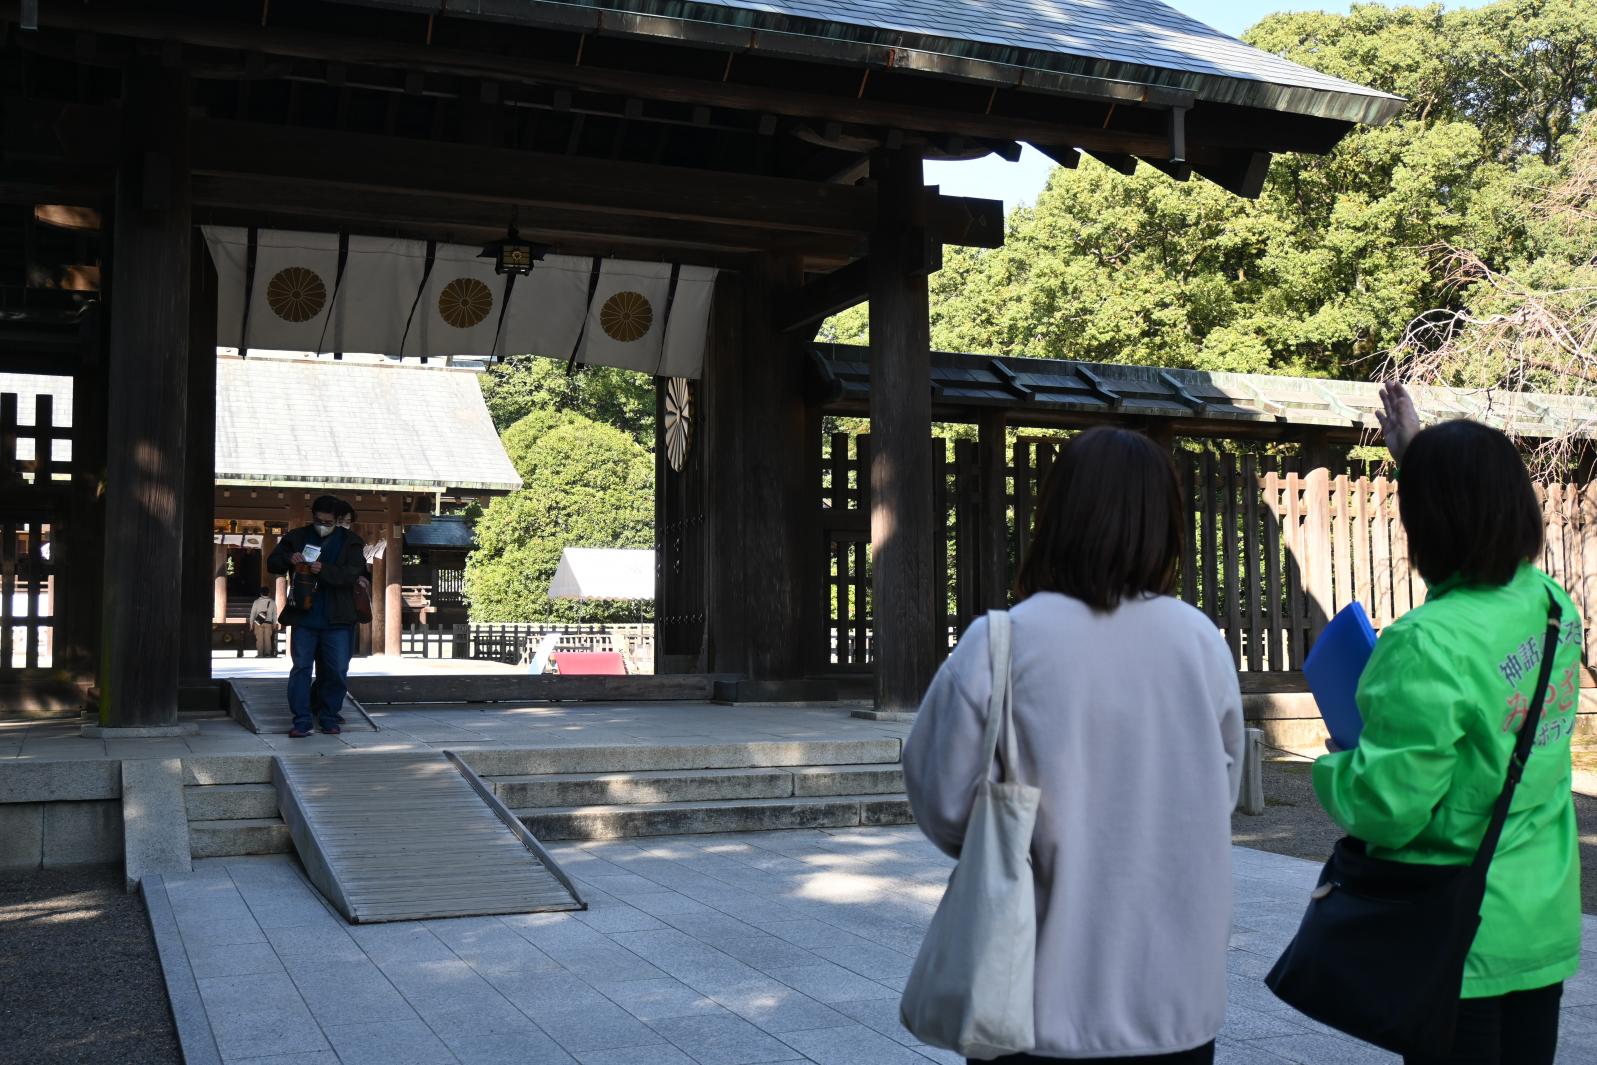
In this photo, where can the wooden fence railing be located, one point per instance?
(1275, 549)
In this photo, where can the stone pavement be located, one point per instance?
(716, 950)
(468, 727)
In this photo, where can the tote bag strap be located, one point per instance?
(1000, 703)
(1526, 740)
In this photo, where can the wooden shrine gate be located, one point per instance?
(1275, 549)
(49, 514)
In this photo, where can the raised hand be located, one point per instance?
(1398, 417)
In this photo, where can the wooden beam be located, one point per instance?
(1122, 162)
(63, 363)
(1065, 156)
(1243, 173)
(250, 166)
(823, 297)
(1173, 171)
(373, 166)
(146, 471)
(255, 197)
(905, 577)
(377, 164)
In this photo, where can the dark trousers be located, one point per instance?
(328, 651)
(1516, 1029)
(1203, 1055)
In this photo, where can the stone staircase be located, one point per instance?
(604, 792)
(564, 806)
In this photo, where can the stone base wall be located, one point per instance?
(55, 835)
(1291, 721)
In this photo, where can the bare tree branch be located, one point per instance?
(1514, 334)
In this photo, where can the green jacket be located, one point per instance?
(1442, 699)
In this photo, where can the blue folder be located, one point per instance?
(1333, 669)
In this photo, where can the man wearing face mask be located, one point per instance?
(323, 560)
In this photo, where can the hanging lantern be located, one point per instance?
(512, 255)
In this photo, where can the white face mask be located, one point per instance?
(324, 530)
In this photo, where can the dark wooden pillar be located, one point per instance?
(992, 457)
(1162, 431)
(146, 474)
(905, 580)
(779, 504)
(194, 657)
(762, 513)
(80, 554)
(1319, 453)
(721, 437)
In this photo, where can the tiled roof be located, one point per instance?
(1057, 386)
(315, 422)
(1020, 41)
(1138, 32)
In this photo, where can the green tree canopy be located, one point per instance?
(585, 485)
(521, 385)
(1322, 274)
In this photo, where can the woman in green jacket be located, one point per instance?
(1442, 699)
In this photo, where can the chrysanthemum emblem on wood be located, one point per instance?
(678, 421)
(465, 302)
(296, 294)
(626, 316)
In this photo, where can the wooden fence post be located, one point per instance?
(1320, 594)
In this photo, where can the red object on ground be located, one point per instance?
(589, 663)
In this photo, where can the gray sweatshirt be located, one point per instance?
(1131, 724)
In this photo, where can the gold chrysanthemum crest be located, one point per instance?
(465, 302)
(296, 294)
(626, 316)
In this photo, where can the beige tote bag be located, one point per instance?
(971, 988)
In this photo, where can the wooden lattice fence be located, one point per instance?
(1275, 549)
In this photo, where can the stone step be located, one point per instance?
(701, 785)
(230, 802)
(682, 818)
(643, 758)
(232, 838)
(884, 778)
(647, 787)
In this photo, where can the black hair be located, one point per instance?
(1467, 504)
(329, 505)
(1109, 526)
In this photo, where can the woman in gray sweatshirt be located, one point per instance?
(1129, 719)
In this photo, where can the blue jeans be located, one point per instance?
(329, 650)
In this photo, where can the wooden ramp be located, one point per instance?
(262, 706)
(407, 836)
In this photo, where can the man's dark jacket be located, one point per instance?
(336, 580)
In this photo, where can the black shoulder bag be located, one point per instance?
(1380, 953)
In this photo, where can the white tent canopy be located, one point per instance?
(603, 573)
